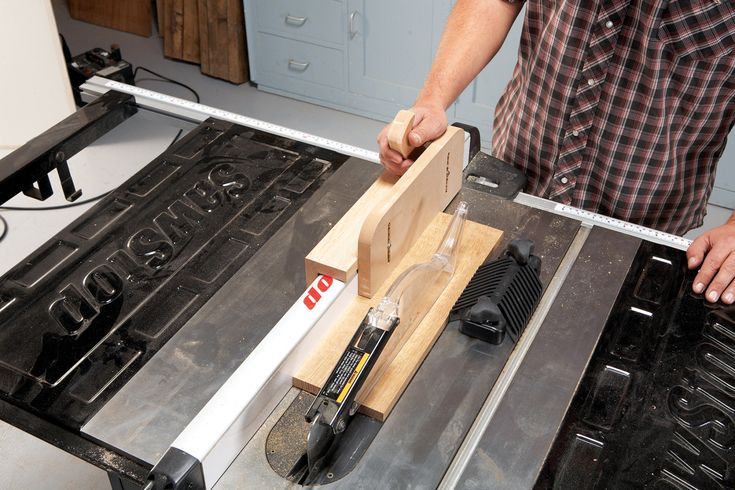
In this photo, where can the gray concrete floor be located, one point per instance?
(25, 461)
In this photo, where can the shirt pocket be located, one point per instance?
(698, 29)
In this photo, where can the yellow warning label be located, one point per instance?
(354, 374)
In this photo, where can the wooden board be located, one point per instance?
(161, 17)
(222, 39)
(437, 175)
(190, 44)
(476, 244)
(129, 16)
(180, 29)
(173, 38)
(336, 254)
(393, 226)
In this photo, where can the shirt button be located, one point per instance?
(590, 82)
(575, 133)
(564, 180)
(609, 24)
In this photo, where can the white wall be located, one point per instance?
(35, 92)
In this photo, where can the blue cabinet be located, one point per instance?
(369, 57)
(391, 46)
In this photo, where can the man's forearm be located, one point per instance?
(474, 33)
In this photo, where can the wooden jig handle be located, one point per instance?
(398, 132)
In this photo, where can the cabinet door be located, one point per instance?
(391, 46)
(476, 105)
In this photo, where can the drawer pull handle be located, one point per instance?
(351, 28)
(292, 20)
(298, 65)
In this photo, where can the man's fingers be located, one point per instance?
(392, 156)
(697, 250)
(696, 253)
(391, 159)
(428, 124)
(398, 168)
(709, 268)
(720, 285)
(728, 296)
(427, 129)
(714, 254)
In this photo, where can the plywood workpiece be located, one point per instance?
(394, 224)
(379, 229)
(476, 244)
(336, 254)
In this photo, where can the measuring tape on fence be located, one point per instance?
(143, 95)
(619, 225)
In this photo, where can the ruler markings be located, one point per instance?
(616, 224)
(247, 121)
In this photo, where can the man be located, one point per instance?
(621, 107)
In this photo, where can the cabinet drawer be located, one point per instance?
(280, 57)
(320, 20)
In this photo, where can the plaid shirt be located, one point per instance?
(622, 107)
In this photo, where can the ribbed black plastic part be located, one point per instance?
(513, 287)
(486, 279)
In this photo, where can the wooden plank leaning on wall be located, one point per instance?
(208, 32)
(178, 24)
(129, 16)
(222, 37)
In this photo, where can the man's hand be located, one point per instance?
(714, 253)
(474, 32)
(429, 123)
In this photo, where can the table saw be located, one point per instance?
(157, 336)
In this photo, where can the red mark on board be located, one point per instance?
(313, 295)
